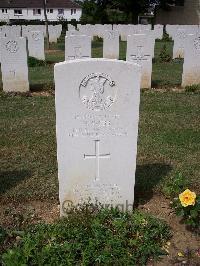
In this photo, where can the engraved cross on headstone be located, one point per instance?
(140, 56)
(97, 156)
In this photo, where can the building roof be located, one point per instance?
(38, 4)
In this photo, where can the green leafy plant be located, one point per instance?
(193, 88)
(92, 237)
(187, 206)
(166, 37)
(164, 56)
(2, 235)
(34, 62)
(175, 185)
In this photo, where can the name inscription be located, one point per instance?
(98, 125)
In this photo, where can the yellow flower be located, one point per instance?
(187, 198)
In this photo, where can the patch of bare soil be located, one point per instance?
(21, 214)
(43, 93)
(183, 248)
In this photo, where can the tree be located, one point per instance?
(94, 11)
(46, 23)
(132, 8)
(97, 11)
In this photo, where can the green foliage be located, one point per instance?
(94, 11)
(107, 11)
(3, 235)
(190, 215)
(193, 88)
(164, 56)
(2, 23)
(91, 237)
(165, 38)
(175, 185)
(73, 22)
(33, 62)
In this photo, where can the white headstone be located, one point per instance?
(97, 113)
(14, 64)
(191, 66)
(77, 47)
(111, 44)
(158, 31)
(71, 27)
(179, 33)
(53, 33)
(179, 43)
(73, 32)
(58, 30)
(126, 30)
(29, 28)
(100, 28)
(139, 50)
(25, 31)
(171, 29)
(11, 31)
(36, 44)
(87, 30)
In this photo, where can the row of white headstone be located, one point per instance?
(35, 35)
(23, 31)
(140, 47)
(140, 44)
(187, 45)
(15, 49)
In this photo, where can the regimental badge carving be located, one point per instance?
(197, 43)
(36, 36)
(12, 46)
(97, 92)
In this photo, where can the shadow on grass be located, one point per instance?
(9, 179)
(148, 176)
(41, 87)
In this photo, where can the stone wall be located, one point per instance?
(189, 14)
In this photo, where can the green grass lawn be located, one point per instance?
(164, 74)
(168, 142)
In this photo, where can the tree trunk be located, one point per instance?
(46, 25)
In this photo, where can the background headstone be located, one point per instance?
(14, 64)
(77, 47)
(11, 31)
(139, 50)
(158, 31)
(111, 44)
(36, 44)
(191, 66)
